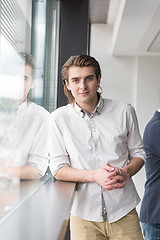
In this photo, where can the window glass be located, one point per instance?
(45, 39)
(38, 47)
(11, 76)
(23, 124)
(11, 95)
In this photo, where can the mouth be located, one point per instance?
(84, 93)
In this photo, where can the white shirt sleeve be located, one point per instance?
(39, 153)
(135, 145)
(59, 156)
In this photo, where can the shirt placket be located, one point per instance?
(95, 136)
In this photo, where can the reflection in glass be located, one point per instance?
(11, 77)
(24, 126)
(11, 94)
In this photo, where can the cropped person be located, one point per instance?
(24, 145)
(96, 143)
(150, 207)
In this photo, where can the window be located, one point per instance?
(45, 39)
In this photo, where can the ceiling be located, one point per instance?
(98, 11)
(136, 24)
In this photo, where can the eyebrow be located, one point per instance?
(74, 78)
(85, 77)
(90, 76)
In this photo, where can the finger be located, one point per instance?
(111, 174)
(114, 186)
(109, 168)
(113, 182)
(118, 171)
(119, 178)
(110, 182)
(119, 185)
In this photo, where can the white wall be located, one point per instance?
(118, 73)
(148, 88)
(131, 79)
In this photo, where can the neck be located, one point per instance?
(89, 107)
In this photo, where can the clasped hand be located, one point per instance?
(110, 177)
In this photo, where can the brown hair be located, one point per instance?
(28, 60)
(78, 61)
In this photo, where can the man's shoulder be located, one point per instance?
(38, 110)
(152, 130)
(154, 123)
(116, 103)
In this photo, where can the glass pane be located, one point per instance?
(23, 124)
(11, 77)
(11, 95)
(45, 39)
(38, 48)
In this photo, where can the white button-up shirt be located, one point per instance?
(82, 141)
(24, 137)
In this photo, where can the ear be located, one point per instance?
(98, 80)
(67, 85)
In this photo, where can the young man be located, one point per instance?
(150, 208)
(24, 144)
(96, 142)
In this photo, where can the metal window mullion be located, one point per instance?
(55, 35)
(51, 63)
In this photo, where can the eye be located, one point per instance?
(25, 78)
(75, 80)
(90, 78)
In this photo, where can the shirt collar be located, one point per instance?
(22, 106)
(97, 109)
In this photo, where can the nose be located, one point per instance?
(83, 85)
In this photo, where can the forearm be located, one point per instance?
(23, 172)
(133, 167)
(29, 172)
(75, 175)
(101, 176)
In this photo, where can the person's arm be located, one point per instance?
(23, 172)
(127, 172)
(101, 176)
(38, 153)
(132, 168)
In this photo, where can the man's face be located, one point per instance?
(28, 84)
(83, 83)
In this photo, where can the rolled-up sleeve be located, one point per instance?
(39, 153)
(58, 154)
(135, 144)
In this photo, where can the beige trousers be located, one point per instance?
(127, 228)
